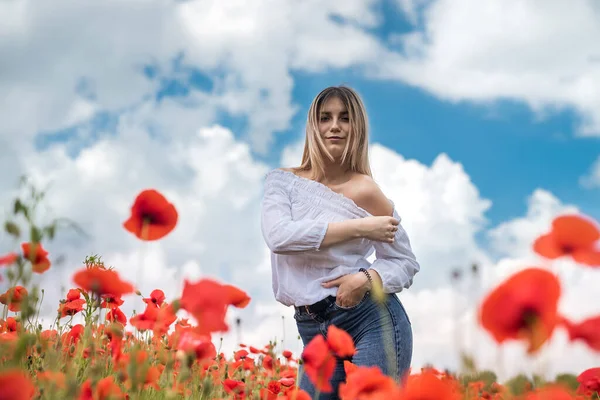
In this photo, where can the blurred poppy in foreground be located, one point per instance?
(571, 235)
(207, 301)
(587, 330)
(13, 298)
(589, 382)
(524, 307)
(319, 356)
(38, 257)
(8, 259)
(16, 384)
(102, 281)
(430, 385)
(152, 216)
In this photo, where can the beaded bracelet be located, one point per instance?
(368, 275)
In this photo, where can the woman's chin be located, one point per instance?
(336, 152)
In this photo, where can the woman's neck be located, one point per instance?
(335, 174)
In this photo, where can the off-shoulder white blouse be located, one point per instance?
(294, 219)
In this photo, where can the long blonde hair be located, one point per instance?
(356, 152)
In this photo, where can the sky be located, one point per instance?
(484, 126)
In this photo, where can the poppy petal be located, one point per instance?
(575, 231)
(590, 257)
(546, 246)
(340, 342)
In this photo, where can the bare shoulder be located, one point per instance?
(367, 194)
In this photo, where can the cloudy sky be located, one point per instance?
(485, 124)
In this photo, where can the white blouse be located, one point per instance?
(294, 219)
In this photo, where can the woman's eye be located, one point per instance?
(323, 119)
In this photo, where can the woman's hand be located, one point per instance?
(380, 228)
(351, 288)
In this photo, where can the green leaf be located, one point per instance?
(12, 229)
(50, 230)
(21, 208)
(36, 234)
(468, 363)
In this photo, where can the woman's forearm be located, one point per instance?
(342, 231)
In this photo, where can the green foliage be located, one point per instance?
(519, 384)
(567, 380)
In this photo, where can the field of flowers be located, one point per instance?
(160, 354)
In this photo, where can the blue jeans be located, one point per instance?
(382, 336)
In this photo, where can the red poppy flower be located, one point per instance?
(237, 297)
(571, 235)
(587, 330)
(287, 382)
(164, 319)
(428, 385)
(319, 363)
(8, 259)
(152, 216)
(102, 282)
(35, 253)
(109, 301)
(589, 382)
(157, 297)
(13, 298)
(233, 386)
(550, 392)
(16, 384)
(73, 335)
(367, 383)
(523, 307)
(72, 305)
(116, 315)
(319, 356)
(10, 325)
(106, 388)
(146, 320)
(201, 345)
(295, 393)
(208, 300)
(340, 342)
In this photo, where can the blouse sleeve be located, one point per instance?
(395, 262)
(282, 235)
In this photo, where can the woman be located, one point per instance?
(321, 221)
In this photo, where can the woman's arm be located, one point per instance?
(395, 264)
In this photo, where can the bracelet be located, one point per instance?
(367, 274)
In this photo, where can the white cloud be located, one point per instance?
(592, 178)
(545, 56)
(245, 49)
(212, 179)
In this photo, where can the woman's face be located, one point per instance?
(334, 126)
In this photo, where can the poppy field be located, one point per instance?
(167, 351)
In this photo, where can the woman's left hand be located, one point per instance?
(351, 288)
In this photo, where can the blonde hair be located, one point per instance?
(356, 152)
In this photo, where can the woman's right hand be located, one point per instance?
(380, 228)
